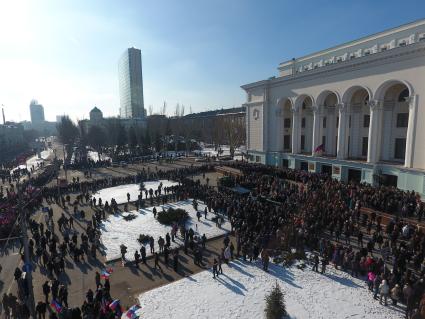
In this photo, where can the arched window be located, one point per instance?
(403, 95)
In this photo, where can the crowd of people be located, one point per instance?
(286, 208)
(326, 215)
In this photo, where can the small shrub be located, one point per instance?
(275, 304)
(129, 217)
(172, 216)
(143, 238)
(289, 257)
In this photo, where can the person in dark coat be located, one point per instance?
(214, 269)
(40, 309)
(143, 254)
(46, 290)
(156, 256)
(175, 260)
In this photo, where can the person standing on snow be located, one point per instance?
(384, 290)
(215, 272)
(265, 259)
(143, 254)
(316, 263)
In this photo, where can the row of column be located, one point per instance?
(375, 131)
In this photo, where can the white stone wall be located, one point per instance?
(255, 118)
(371, 73)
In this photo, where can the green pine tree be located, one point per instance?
(275, 304)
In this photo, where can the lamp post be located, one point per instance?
(64, 162)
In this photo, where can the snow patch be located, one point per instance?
(34, 160)
(116, 231)
(96, 157)
(119, 193)
(240, 293)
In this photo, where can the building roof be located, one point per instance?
(95, 109)
(357, 41)
(216, 112)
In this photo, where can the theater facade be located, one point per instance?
(355, 111)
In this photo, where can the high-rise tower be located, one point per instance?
(37, 112)
(131, 84)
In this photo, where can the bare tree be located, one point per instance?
(234, 133)
(150, 109)
(164, 109)
(182, 111)
(177, 110)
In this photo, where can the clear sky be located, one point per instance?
(196, 53)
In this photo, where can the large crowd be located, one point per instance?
(327, 216)
(286, 208)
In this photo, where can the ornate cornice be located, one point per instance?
(379, 58)
(250, 104)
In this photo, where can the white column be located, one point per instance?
(295, 131)
(375, 127)
(316, 129)
(411, 131)
(341, 152)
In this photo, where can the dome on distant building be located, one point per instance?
(96, 114)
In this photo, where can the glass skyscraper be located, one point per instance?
(131, 84)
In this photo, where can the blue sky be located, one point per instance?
(196, 53)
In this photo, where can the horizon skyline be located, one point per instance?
(65, 55)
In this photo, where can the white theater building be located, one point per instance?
(360, 104)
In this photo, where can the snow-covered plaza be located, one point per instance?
(34, 160)
(240, 293)
(116, 230)
(119, 193)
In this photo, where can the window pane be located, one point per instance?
(324, 122)
(366, 120)
(402, 119)
(365, 142)
(287, 123)
(302, 142)
(287, 142)
(400, 148)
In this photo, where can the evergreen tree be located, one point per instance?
(275, 304)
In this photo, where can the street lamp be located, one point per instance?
(64, 162)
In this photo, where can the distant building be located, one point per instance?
(97, 119)
(131, 84)
(11, 140)
(38, 122)
(59, 118)
(205, 126)
(96, 114)
(37, 112)
(44, 128)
